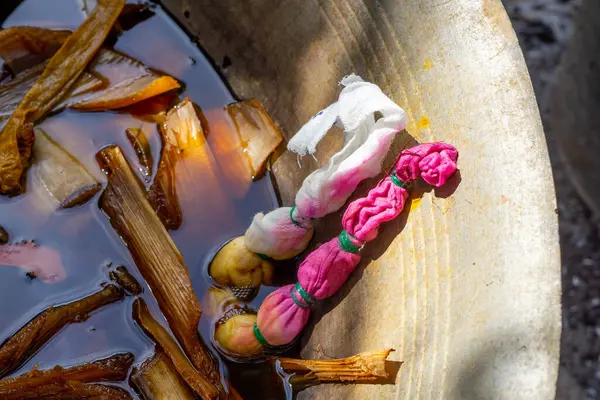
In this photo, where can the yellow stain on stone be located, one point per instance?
(424, 122)
(414, 202)
(427, 64)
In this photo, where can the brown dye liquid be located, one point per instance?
(83, 235)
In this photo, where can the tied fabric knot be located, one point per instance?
(283, 314)
(284, 233)
(348, 242)
(301, 296)
(307, 223)
(397, 181)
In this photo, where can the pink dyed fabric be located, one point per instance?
(383, 203)
(284, 313)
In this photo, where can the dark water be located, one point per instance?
(83, 235)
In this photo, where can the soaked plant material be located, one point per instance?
(70, 390)
(15, 351)
(27, 385)
(13, 92)
(258, 134)
(62, 71)
(139, 142)
(157, 379)
(130, 82)
(187, 371)
(123, 278)
(187, 175)
(22, 47)
(65, 179)
(155, 254)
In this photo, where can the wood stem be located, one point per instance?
(158, 259)
(15, 351)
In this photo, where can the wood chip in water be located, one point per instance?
(13, 92)
(65, 179)
(70, 390)
(156, 256)
(21, 346)
(24, 46)
(129, 82)
(62, 71)
(123, 278)
(156, 332)
(157, 379)
(188, 175)
(259, 136)
(139, 141)
(44, 382)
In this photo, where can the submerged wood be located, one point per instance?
(13, 92)
(66, 180)
(111, 369)
(188, 175)
(113, 80)
(259, 136)
(123, 278)
(157, 257)
(16, 350)
(139, 141)
(363, 367)
(62, 71)
(162, 195)
(155, 331)
(71, 390)
(24, 46)
(157, 379)
(127, 82)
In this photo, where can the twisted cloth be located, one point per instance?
(284, 313)
(286, 232)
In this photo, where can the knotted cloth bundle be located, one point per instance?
(286, 232)
(284, 313)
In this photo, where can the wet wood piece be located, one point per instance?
(65, 179)
(156, 332)
(123, 278)
(16, 350)
(188, 176)
(157, 379)
(111, 369)
(157, 257)
(71, 390)
(259, 136)
(24, 46)
(13, 92)
(62, 71)
(139, 141)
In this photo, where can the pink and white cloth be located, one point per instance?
(285, 312)
(286, 232)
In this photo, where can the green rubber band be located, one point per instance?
(298, 303)
(346, 244)
(310, 300)
(397, 181)
(292, 218)
(263, 256)
(261, 339)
